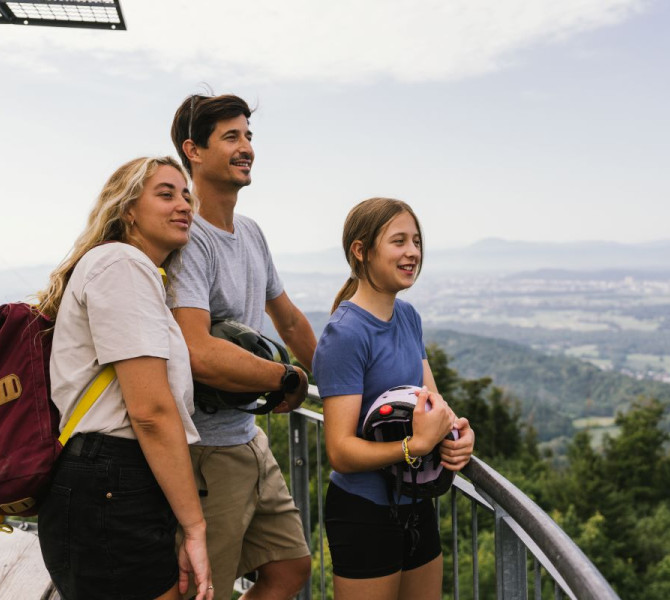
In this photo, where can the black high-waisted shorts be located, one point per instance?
(365, 541)
(106, 530)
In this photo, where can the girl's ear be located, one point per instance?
(357, 250)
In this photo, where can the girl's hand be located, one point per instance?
(456, 454)
(431, 426)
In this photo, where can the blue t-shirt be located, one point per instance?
(361, 354)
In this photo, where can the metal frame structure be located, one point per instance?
(83, 14)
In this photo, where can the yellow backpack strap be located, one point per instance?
(92, 394)
(161, 270)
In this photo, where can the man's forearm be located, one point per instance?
(300, 339)
(226, 366)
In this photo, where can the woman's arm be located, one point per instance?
(348, 453)
(156, 421)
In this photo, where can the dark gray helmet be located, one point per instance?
(211, 399)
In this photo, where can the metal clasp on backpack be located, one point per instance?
(17, 506)
(10, 388)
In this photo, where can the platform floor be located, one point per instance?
(22, 571)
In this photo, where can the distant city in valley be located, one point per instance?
(572, 332)
(604, 303)
(615, 320)
(573, 348)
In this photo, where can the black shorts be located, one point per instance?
(366, 542)
(106, 529)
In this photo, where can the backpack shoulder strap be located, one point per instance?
(100, 383)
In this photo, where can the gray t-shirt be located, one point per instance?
(231, 275)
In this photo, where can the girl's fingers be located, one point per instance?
(421, 399)
(453, 467)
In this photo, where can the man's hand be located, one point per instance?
(296, 398)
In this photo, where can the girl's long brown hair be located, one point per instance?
(364, 223)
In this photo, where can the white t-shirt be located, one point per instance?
(114, 309)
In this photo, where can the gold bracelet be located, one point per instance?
(412, 461)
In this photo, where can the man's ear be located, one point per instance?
(191, 150)
(357, 250)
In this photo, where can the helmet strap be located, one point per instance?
(411, 527)
(394, 490)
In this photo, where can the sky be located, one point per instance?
(527, 120)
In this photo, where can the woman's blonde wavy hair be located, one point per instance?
(106, 223)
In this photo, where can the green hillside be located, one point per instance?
(552, 390)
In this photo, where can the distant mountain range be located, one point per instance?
(492, 256)
(502, 256)
(660, 274)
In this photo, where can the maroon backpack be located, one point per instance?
(29, 421)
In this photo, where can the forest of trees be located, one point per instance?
(614, 503)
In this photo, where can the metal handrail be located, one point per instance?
(520, 525)
(581, 576)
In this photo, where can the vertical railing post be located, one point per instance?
(511, 573)
(475, 550)
(454, 542)
(299, 459)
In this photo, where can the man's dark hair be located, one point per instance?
(197, 117)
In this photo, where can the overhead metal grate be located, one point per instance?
(89, 14)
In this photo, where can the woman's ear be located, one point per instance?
(129, 217)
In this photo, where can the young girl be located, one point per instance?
(373, 342)
(107, 525)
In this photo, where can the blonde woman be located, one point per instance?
(124, 480)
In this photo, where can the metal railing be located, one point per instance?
(520, 526)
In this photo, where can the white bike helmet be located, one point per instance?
(390, 419)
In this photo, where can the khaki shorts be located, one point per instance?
(251, 517)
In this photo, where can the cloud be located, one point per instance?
(313, 40)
